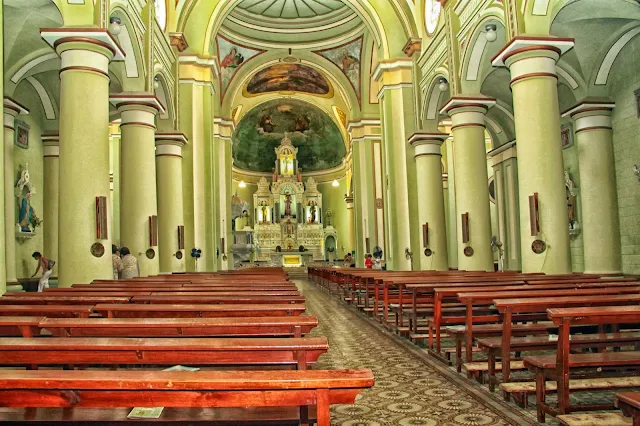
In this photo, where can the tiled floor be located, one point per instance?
(411, 388)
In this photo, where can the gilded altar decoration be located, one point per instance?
(288, 211)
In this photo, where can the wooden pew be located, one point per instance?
(157, 310)
(218, 299)
(629, 403)
(52, 311)
(184, 389)
(298, 352)
(183, 327)
(20, 326)
(487, 296)
(176, 292)
(510, 307)
(558, 367)
(39, 299)
(210, 288)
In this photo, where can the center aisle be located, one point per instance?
(410, 389)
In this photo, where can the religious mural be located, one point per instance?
(289, 78)
(260, 131)
(232, 57)
(347, 57)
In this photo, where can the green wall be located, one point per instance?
(333, 199)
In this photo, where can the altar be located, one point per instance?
(291, 259)
(288, 213)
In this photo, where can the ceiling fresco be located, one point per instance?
(232, 57)
(312, 131)
(289, 78)
(291, 9)
(347, 57)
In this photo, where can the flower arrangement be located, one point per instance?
(35, 222)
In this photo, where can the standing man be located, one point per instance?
(47, 267)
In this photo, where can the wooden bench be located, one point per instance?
(26, 326)
(149, 327)
(40, 299)
(629, 403)
(558, 367)
(218, 299)
(162, 351)
(199, 389)
(157, 310)
(53, 311)
(510, 307)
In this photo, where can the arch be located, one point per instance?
(602, 74)
(376, 14)
(45, 98)
(164, 93)
(131, 71)
(475, 50)
(433, 100)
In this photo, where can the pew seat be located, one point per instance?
(19, 326)
(143, 327)
(629, 403)
(157, 310)
(297, 352)
(594, 419)
(51, 311)
(200, 389)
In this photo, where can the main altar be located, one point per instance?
(288, 213)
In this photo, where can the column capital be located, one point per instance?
(427, 143)
(528, 44)
(591, 114)
(169, 144)
(467, 111)
(51, 144)
(223, 128)
(364, 129)
(84, 49)
(13, 107)
(127, 101)
(94, 39)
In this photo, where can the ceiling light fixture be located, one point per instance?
(242, 184)
(443, 86)
(491, 34)
(156, 82)
(335, 183)
(114, 25)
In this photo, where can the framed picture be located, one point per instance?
(22, 134)
(566, 135)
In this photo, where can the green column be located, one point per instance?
(51, 193)
(427, 152)
(532, 63)
(170, 212)
(600, 223)
(138, 194)
(470, 170)
(11, 110)
(84, 153)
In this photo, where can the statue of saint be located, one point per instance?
(299, 174)
(287, 205)
(312, 213)
(264, 214)
(26, 213)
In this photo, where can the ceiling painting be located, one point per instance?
(289, 78)
(347, 57)
(232, 57)
(291, 9)
(312, 131)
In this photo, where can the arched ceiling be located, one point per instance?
(291, 9)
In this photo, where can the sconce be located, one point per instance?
(443, 85)
(114, 25)
(156, 82)
(490, 33)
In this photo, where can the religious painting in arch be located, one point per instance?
(289, 78)
(347, 57)
(232, 57)
(316, 135)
